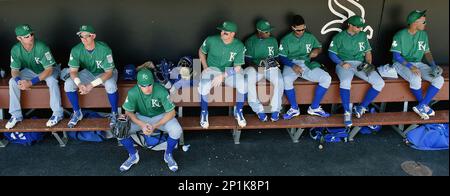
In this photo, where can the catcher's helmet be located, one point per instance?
(185, 66)
(129, 72)
(162, 71)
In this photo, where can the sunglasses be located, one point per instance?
(85, 36)
(28, 36)
(299, 30)
(144, 86)
(422, 21)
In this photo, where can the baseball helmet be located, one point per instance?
(185, 65)
(129, 72)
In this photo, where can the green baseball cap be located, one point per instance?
(357, 21)
(86, 28)
(414, 15)
(23, 30)
(264, 26)
(228, 26)
(145, 77)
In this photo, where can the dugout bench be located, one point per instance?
(395, 90)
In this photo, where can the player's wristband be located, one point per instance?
(35, 80)
(97, 82)
(17, 79)
(77, 81)
(231, 72)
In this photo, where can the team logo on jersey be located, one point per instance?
(308, 48)
(99, 64)
(37, 60)
(361, 46)
(281, 47)
(12, 60)
(271, 50)
(232, 55)
(71, 57)
(332, 44)
(155, 103)
(422, 45)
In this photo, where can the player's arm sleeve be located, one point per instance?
(283, 54)
(334, 45)
(167, 104)
(396, 46)
(130, 104)
(108, 62)
(15, 62)
(334, 57)
(367, 43)
(205, 46)
(398, 57)
(47, 59)
(316, 43)
(74, 61)
(239, 59)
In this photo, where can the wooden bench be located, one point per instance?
(396, 90)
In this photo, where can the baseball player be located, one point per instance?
(296, 51)
(31, 63)
(259, 47)
(91, 64)
(149, 107)
(350, 49)
(222, 57)
(408, 47)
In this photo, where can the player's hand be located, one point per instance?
(82, 89)
(89, 87)
(25, 85)
(415, 71)
(346, 65)
(217, 81)
(297, 69)
(147, 129)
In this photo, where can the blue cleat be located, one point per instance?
(262, 117)
(359, 111)
(76, 116)
(275, 116)
(204, 123)
(171, 163)
(132, 159)
(348, 119)
(291, 113)
(421, 111)
(318, 112)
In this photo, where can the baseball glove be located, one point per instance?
(366, 68)
(269, 63)
(436, 72)
(122, 127)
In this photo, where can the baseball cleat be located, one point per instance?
(132, 159)
(318, 112)
(291, 113)
(53, 121)
(12, 122)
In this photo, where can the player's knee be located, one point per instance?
(345, 84)
(70, 86)
(12, 83)
(110, 86)
(175, 131)
(438, 82)
(325, 81)
(415, 83)
(379, 85)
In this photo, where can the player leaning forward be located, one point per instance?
(91, 64)
(409, 46)
(149, 107)
(32, 62)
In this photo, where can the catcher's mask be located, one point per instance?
(162, 71)
(185, 65)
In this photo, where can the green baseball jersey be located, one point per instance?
(299, 48)
(149, 105)
(260, 49)
(411, 47)
(350, 48)
(221, 55)
(38, 59)
(96, 62)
